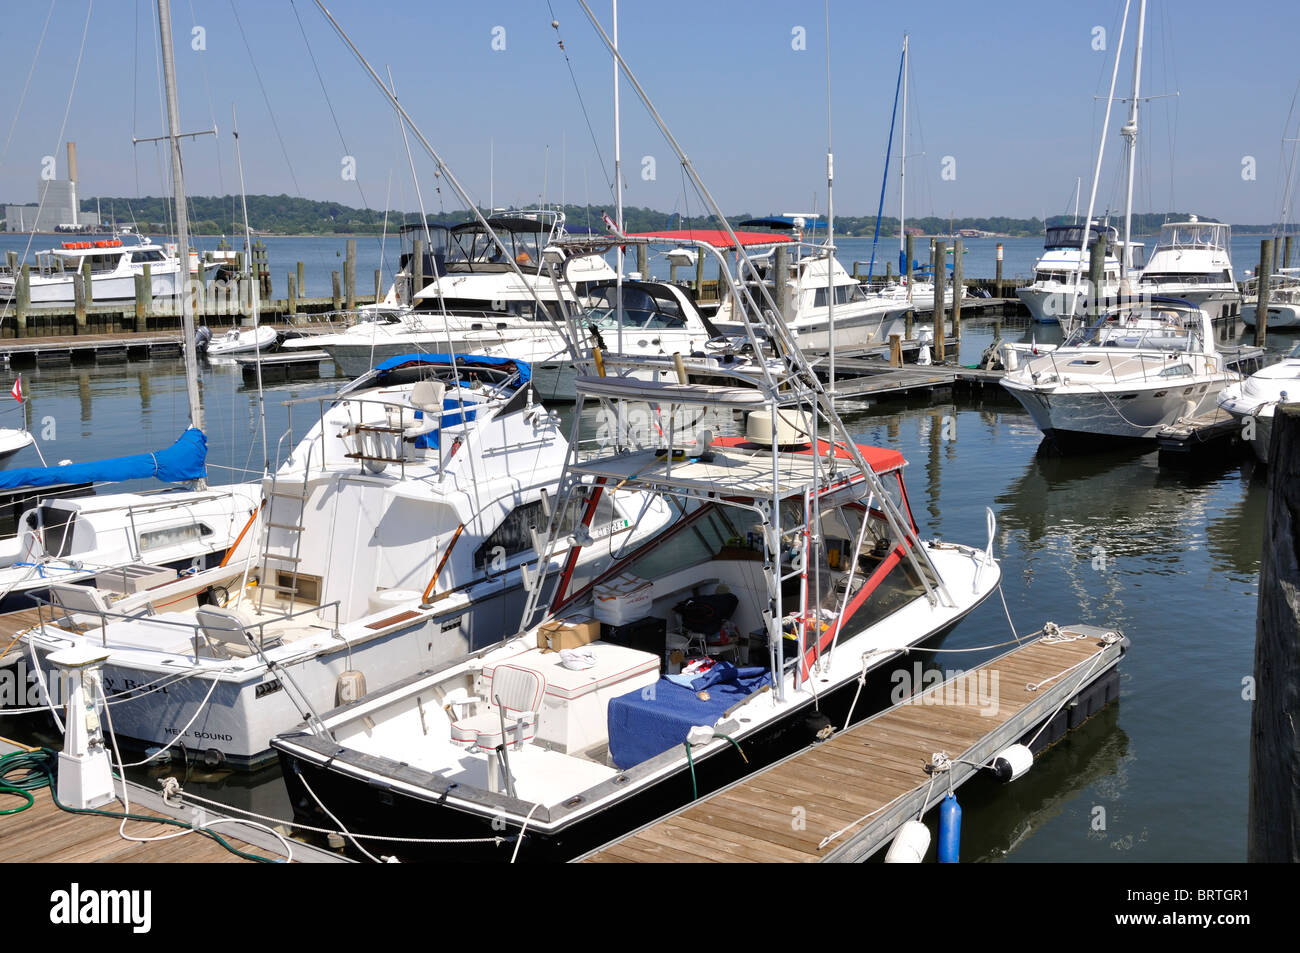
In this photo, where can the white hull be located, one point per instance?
(1131, 411)
(1281, 317)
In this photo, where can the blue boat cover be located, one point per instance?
(462, 360)
(180, 462)
(651, 720)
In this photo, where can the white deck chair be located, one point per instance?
(426, 397)
(222, 628)
(78, 602)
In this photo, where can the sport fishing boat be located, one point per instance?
(1252, 401)
(1133, 371)
(393, 536)
(792, 567)
(473, 287)
(1061, 276)
(1283, 301)
(113, 270)
(1191, 261)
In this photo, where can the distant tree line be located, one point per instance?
(286, 215)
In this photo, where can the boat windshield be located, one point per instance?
(1071, 236)
(640, 309)
(1195, 235)
(1137, 329)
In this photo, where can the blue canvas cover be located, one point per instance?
(180, 462)
(649, 721)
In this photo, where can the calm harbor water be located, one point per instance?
(1170, 558)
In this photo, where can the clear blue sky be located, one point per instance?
(1006, 89)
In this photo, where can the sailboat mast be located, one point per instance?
(1129, 132)
(902, 180)
(830, 213)
(182, 217)
(618, 193)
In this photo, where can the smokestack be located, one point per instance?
(72, 179)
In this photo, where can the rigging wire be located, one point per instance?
(555, 23)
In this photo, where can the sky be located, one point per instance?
(1006, 102)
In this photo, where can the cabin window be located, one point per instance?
(138, 257)
(173, 536)
(514, 535)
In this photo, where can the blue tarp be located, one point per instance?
(462, 360)
(180, 462)
(649, 721)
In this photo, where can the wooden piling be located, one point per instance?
(79, 302)
(699, 273)
(1097, 276)
(338, 296)
(642, 262)
(350, 274)
(291, 284)
(302, 280)
(1286, 253)
(1262, 275)
(11, 257)
(895, 351)
(1273, 814)
(672, 272)
(378, 285)
(87, 282)
(939, 269)
(22, 300)
(956, 290)
(416, 269)
(142, 300)
(998, 272)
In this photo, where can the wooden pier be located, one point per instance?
(45, 833)
(1215, 434)
(851, 793)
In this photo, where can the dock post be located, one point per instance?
(939, 269)
(79, 302)
(302, 281)
(291, 284)
(378, 285)
(956, 290)
(22, 300)
(1286, 253)
(642, 262)
(11, 257)
(895, 351)
(699, 274)
(998, 271)
(782, 269)
(907, 333)
(1262, 275)
(141, 302)
(350, 274)
(416, 269)
(889, 272)
(1273, 815)
(148, 296)
(672, 272)
(338, 297)
(1096, 277)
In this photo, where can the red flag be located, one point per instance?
(18, 389)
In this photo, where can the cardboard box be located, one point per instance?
(567, 633)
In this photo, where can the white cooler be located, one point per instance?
(622, 599)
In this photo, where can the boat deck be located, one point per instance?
(863, 783)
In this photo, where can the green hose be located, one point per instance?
(39, 768)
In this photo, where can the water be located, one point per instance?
(1171, 559)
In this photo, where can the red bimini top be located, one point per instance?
(714, 236)
(880, 459)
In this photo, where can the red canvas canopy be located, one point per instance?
(714, 236)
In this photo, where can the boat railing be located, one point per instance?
(198, 638)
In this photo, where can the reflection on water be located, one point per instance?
(1170, 558)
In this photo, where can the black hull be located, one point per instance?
(364, 807)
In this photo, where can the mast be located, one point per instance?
(618, 193)
(830, 213)
(902, 180)
(252, 287)
(1129, 132)
(182, 219)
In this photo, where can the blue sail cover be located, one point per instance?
(180, 462)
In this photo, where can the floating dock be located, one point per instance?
(281, 366)
(842, 800)
(1212, 435)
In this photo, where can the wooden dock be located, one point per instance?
(283, 365)
(44, 833)
(852, 792)
(1212, 435)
